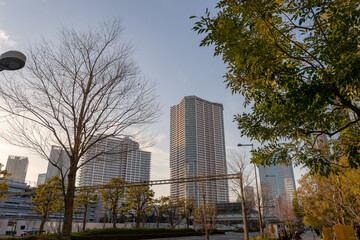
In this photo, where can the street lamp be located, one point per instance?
(257, 189)
(12, 60)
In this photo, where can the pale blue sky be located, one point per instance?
(166, 50)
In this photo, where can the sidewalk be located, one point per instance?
(310, 235)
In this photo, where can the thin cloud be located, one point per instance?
(159, 157)
(5, 41)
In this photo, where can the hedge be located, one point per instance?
(119, 234)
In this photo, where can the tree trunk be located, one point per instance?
(69, 205)
(171, 223)
(137, 221)
(84, 221)
(114, 219)
(207, 235)
(60, 220)
(243, 210)
(158, 221)
(43, 220)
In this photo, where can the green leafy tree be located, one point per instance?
(331, 200)
(188, 206)
(298, 208)
(111, 195)
(297, 65)
(139, 201)
(48, 199)
(3, 185)
(205, 216)
(171, 208)
(86, 198)
(158, 207)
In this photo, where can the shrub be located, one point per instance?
(117, 231)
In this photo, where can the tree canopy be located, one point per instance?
(111, 195)
(48, 199)
(297, 65)
(3, 185)
(86, 198)
(331, 200)
(139, 202)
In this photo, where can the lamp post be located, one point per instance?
(12, 60)
(257, 189)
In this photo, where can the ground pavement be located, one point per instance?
(309, 235)
(227, 236)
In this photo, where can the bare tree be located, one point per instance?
(266, 203)
(171, 207)
(205, 214)
(241, 186)
(76, 93)
(285, 213)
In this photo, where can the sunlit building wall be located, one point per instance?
(17, 166)
(123, 159)
(41, 179)
(58, 160)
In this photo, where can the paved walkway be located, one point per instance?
(227, 236)
(310, 235)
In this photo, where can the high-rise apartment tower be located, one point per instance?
(119, 158)
(61, 160)
(17, 166)
(197, 148)
(41, 179)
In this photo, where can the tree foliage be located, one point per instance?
(48, 199)
(332, 200)
(170, 206)
(297, 65)
(298, 208)
(3, 185)
(205, 217)
(188, 206)
(86, 198)
(139, 201)
(111, 195)
(74, 93)
(158, 207)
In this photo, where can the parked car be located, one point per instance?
(31, 232)
(238, 229)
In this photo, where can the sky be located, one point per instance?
(165, 48)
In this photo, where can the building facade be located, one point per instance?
(197, 148)
(278, 182)
(58, 160)
(17, 166)
(115, 158)
(41, 179)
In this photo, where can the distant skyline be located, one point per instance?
(165, 48)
